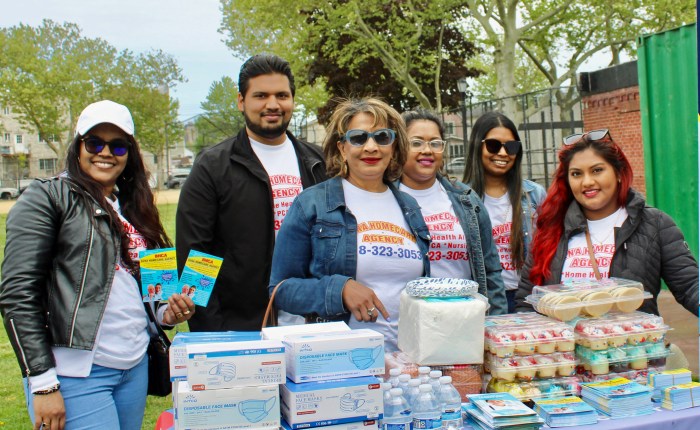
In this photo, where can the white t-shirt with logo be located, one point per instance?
(449, 256)
(387, 254)
(578, 262)
(501, 214)
(281, 164)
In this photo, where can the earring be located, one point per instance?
(344, 169)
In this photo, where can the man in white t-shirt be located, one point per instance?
(238, 193)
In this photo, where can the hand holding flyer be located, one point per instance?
(158, 274)
(198, 276)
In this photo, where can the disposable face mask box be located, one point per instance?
(323, 403)
(233, 364)
(279, 333)
(357, 425)
(334, 355)
(178, 350)
(230, 408)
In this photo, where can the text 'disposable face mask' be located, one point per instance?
(348, 404)
(256, 410)
(363, 358)
(225, 370)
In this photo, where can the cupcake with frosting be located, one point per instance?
(547, 367)
(527, 368)
(566, 364)
(599, 364)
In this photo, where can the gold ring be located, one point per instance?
(178, 315)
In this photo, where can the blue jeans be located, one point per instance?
(107, 398)
(510, 295)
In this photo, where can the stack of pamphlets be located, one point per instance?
(565, 411)
(501, 410)
(658, 381)
(618, 398)
(681, 396)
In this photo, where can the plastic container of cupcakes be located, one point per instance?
(640, 376)
(618, 329)
(622, 359)
(570, 299)
(526, 334)
(530, 367)
(536, 389)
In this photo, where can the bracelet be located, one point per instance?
(50, 390)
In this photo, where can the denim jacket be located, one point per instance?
(533, 196)
(316, 250)
(483, 256)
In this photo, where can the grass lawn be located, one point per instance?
(13, 413)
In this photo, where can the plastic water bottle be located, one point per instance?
(413, 391)
(424, 374)
(426, 410)
(397, 413)
(435, 380)
(394, 377)
(450, 404)
(403, 382)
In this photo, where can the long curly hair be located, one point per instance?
(474, 176)
(550, 221)
(383, 114)
(135, 199)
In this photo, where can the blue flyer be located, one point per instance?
(199, 275)
(158, 274)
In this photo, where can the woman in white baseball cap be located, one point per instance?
(70, 295)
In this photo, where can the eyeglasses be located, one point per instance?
(95, 145)
(590, 136)
(383, 137)
(494, 146)
(434, 145)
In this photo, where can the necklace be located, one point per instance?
(610, 232)
(507, 212)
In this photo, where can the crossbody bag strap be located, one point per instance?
(269, 314)
(594, 263)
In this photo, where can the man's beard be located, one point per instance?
(268, 133)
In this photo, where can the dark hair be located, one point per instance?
(474, 176)
(552, 211)
(423, 115)
(264, 64)
(135, 198)
(382, 113)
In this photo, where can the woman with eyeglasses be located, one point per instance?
(460, 229)
(493, 170)
(592, 225)
(70, 295)
(349, 245)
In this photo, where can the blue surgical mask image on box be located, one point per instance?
(256, 410)
(362, 358)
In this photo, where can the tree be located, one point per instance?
(221, 118)
(409, 52)
(50, 73)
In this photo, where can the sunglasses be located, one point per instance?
(383, 137)
(591, 136)
(434, 145)
(95, 145)
(494, 146)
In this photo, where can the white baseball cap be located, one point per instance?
(105, 111)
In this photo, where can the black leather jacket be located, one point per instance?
(56, 277)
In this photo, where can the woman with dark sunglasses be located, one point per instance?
(348, 245)
(460, 229)
(493, 170)
(70, 294)
(591, 210)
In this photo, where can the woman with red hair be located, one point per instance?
(590, 209)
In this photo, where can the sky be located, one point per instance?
(185, 29)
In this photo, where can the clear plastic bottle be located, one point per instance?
(403, 382)
(435, 380)
(413, 391)
(426, 410)
(450, 404)
(386, 393)
(424, 374)
(394, 377)
(397, 412)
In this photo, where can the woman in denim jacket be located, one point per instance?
(462, 245)
(493, 170)
(348, 246)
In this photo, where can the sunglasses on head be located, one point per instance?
(383, 137)
(436, 145)
(590, 136)
(95, 145)
(494, 146)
